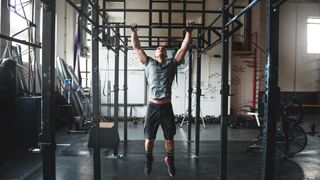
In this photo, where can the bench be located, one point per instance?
(310, 100)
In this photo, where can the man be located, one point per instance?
(160, 72)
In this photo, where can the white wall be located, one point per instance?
(210, 85)
(65, 30)
(298, 70)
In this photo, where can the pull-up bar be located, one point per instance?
(244, 10)
(159, 27)
(161, 10)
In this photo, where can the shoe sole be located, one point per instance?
(145, 170)
(170, 174)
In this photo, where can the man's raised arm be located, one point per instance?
(136, 44)
(185, 43)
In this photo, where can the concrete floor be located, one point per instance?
(74, 159)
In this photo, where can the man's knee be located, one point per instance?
(149, 140)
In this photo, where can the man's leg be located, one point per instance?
(169, 129)
(149, 157)
(151, 125)
(169, 159)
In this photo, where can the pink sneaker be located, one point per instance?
(170, 165)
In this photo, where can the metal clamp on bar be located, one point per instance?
(199, 93)
(115, 89)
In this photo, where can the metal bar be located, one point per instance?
(105, 34)
(80, 11)
(218, 41)
(147, 47)
(184, 15)
(211, 24)
(96, 93)
(234, 30)
(27, 28)
(150, 22)
(173, 24)
(116, 88)
(160, 18)
(272, 92)
(91, 4)
(198, 93)
(276, 5)
(19, 41)
(164, 37)
(161, 10)
(203, 19)
(224, 92)
(169, 21)
(190, 96)
(47, 144)
(118, 35)
(125, 85)
(231, 4)
(244, 10)
(161, 27)
(125, 93)
(131, 104)
(85, 28)
(209, 37)
(254, 83)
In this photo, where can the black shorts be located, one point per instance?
(159, 114)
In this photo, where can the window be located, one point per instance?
(313, 35)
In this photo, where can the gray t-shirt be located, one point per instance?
(160, 77)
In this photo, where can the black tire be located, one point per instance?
(297, 141)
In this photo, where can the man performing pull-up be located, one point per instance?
(160, 72)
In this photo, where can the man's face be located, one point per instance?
(161, 51)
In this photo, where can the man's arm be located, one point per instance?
(136, 45)
(185, 43)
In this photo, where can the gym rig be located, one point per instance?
(113, 40)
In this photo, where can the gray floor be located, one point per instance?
(74, 159)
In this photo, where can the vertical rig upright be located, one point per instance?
(224, 91)
(125, 91)
(198, 119)
(47, 144)
(190, 96)
(272, 91)
(125, 81)
(116, 85)
(95, 91)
